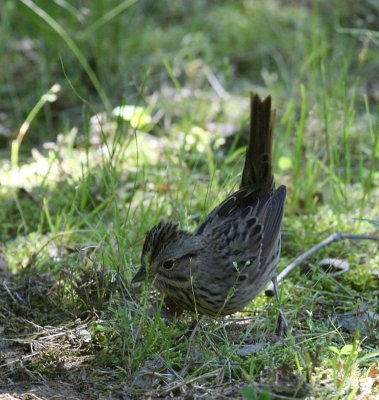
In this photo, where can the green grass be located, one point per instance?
(79, 188)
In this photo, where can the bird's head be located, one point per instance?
(169, 257)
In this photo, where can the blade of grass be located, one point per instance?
(49, 96)
(107, 17)
(73, 47)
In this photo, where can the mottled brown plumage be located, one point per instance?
(231, 256)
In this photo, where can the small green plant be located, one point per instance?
(344, 363)
(250, 393)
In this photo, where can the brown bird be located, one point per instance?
(229, 259)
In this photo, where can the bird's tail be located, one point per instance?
(257, 171)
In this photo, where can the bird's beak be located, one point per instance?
(140, 275)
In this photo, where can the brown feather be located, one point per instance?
(257, 170)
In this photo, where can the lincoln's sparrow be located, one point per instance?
(232, 255)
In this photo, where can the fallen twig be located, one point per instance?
(335, 237)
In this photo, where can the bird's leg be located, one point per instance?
(282, 325)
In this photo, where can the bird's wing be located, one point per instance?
(242, 232)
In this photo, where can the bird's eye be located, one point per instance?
(168, 264)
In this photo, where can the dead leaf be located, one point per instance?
(248, 349)
(334, 266)
(289, 383)
(370, 384)
(362, 319)
(148, 377)
(374, 372)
